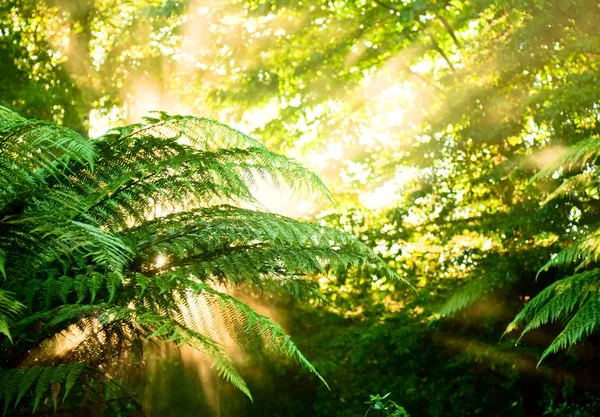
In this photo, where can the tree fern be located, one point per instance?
(573, 300)
(80, 238)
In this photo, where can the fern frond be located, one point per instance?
(558, 300)
(31, 150)
(582, 253)
(204, 134)
(582, 324)
(35, 382)
(10, 308)
(50, 238)
(240, 321)
(576, 294)
(157, 172)
(573, 299)
(167, 329)
(493, 277)
(583, 152)
(225, 243)
(473, 291)
(27, 388)
(209, 230)
(575, 184)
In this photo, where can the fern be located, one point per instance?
(574, 299)
(9, 309)
(583, 323)
(79, 249)
(50, 386)
(36, 381)
(470, 293)
(573, 185)
(558, 299)
(582, 153)
(32, 150)
(494, 274)
(583, 253)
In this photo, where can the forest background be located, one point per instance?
(459, 139)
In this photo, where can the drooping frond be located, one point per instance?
(574, 299)
(9, 309)
(582, 324)
(221, 316)
(49, 386)
(480, 284)
(153, 324)
(557, 300)
(470, 293)
(38, 382)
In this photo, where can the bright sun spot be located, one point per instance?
(161, 261)
(389, 192)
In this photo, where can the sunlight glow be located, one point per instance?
(283, 200)
(161, 261)
(101, 122)
(390, 192)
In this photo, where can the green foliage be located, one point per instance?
(37, 381)
(566, 409)
(384, 406)
(132, 236)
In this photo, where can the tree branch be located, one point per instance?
(435, 45)
(450, 31)
(437, 48)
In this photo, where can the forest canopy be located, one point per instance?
(459, 141)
